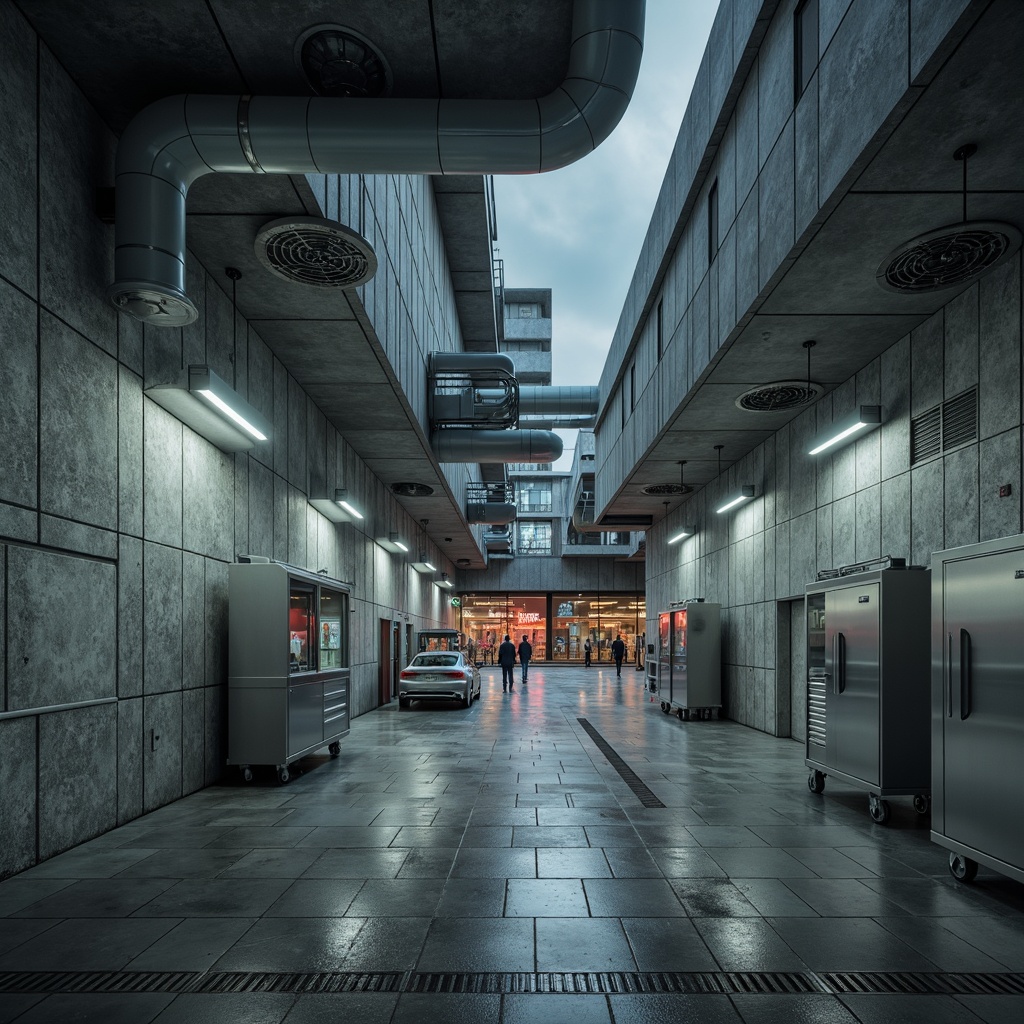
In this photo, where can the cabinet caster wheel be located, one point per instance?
(681, 714)
(283, 775)
(246, 773)
(816, 782)
(963, 869)
(334, 749)
(922, 803)
(879, 810)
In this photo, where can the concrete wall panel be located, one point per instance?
(162, 475)
(162, 589)
(129, 759)
(58, 604)
(161, 749)
(77, 776)
(18, 795)
(18, 385)
(1000, 458)
(1000, 349)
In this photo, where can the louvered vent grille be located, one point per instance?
(960, 420)
(926, 435)
(945, 427)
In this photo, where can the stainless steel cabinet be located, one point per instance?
(978, 706)
(690, 659)
(288, 674)
(867, 687)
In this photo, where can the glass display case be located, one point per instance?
(288, 665)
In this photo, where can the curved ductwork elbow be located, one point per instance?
(496, 445)
(469, 364)
(177, 140)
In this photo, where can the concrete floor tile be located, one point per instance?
(632, 897)
(317, 897)
(545, 897)
(685, 862)
(785, 1009)
(472, 897)
(747, 944)
(292, 944)
(252, 1007)
(355, 863)
(582, 944)
(667, 944)
(215, 897)
(471, 944)
(549, 836)
(99, 897)
(396, 897)
(848, 944)
(488, 863)
(547, 1009)
(712, 897)
(418, 1007)
(82, 944)
(350, 1007)
(395, 941)
(673, 1009)
(192, 945)
(632, 862)
(350, 837)
(110, 1008)
(279, 863)
(884, 1008)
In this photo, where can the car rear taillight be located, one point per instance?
(454, 675)
(407, 675)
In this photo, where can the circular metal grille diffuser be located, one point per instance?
(310, 250)
(948, 256)
(340, 62)
(667, 489)
(411, 489)
(779, 395)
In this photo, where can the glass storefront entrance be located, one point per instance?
(556, 624)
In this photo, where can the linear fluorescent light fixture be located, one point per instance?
(424, 565)
(206, 403)
(444, 582)
(867, 417)
(686, 531)
(745, 494)
(393, 544)
(337, 508)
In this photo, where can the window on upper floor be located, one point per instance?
(661, 331)
(713, 223)
(805, 45)
(622, 404)
(632, 387)
(534, 538)
(522, 311)
(534, 499)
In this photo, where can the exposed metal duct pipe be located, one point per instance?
(559, 423)
(458, 445)
(178, 139)
(558, 402)
(466, 364)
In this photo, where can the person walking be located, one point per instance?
(618, 653)
(507, 661)
(525, 654)
(587, 651)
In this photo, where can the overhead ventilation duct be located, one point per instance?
(779, 396)
(570, 408)
(468, 445)
(176, 140)
(491, 502)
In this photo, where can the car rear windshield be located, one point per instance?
(435, 660)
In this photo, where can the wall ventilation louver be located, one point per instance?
(779, 396)
(947, 257)
(315, 251)
(947, 426)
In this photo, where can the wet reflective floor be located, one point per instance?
(498, 852)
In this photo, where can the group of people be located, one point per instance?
(507, 661)
(507, 658)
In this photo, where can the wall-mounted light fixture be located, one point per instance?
(865, 418)
(686, 531)
(336, 508)
(444, 582)
(424, 564)
(207, 404)
(393, 544)
(746, 492)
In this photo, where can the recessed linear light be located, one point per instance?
(867, 417)
(205, 403)
(745, 494)
(686, 531)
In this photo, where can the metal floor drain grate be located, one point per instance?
(765, 983)
(645, 795)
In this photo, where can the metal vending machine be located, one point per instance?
(690, 659)
(978, 706)
(868, 702)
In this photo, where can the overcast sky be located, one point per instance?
(579, 230)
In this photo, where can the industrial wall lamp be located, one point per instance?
(865, 418)
(336, 507)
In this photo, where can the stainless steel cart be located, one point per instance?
(868, 703)
(288, 665)
(978, 706)
(690, 659)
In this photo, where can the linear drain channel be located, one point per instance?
(645, 795)
(553, 982)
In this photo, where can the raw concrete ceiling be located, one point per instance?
(828, 293)
(124, 54)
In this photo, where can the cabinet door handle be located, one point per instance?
(840, 663)
(965, 674)
(949, 675)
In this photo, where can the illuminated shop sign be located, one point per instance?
(527, 618)
(565, 610)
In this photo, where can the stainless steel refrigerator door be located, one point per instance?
(852, 664)
(983, 704)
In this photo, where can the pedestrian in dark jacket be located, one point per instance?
(587, 651)
(525, 654)
(618, 653)
(507, 661)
